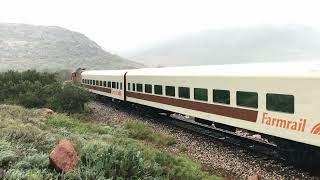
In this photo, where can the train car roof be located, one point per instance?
(104, 72)
(255, 69)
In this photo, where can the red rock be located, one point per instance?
(255, 177)
(64, 157)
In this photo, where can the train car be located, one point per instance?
(277, 99)
(110, 83)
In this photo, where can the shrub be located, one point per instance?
(30, 174)
(33, 161)
(70, 99)
(35, 90)
(107, 161)
(7, 154)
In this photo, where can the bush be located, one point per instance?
(99, 162)
(70, 98)
(7, 155)
(41, 89)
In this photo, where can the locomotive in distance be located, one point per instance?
(275, 99)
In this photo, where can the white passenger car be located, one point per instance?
(109, 83)
(278, 99)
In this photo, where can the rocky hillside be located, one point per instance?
(40, 47)
(235, 45)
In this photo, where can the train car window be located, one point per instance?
(184, 92)
(91, 82)
(117, 85)
(129, 86)
(280, 103)
(158, 89)
(100, 83)
(109, 84)
(148, 88)
(121, 86)
(114, 85)
(139, 87)
(170, 91)
(247, 99)
(94, 82)
(221, 96)
(104, 83)
(133, 87)
(201, 94)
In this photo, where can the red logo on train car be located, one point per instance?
(290, 124)
(316, 129)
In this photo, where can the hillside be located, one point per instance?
(40, 47)
(235, 45)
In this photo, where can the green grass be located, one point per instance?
(142, 131)
(27, 137)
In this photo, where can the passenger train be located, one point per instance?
(274, 99)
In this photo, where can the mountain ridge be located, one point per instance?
(24, 46)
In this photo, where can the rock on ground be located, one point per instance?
(64, 157)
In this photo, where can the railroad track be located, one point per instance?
(245, 143)
(257, 149)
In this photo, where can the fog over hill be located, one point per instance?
(235, 45)
(41, 47)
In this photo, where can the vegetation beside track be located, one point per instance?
(27, 136)
(34, 89)
(141, 131)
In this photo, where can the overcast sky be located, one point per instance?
(120, 26)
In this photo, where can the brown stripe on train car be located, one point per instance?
(106, 90)
(237, 113)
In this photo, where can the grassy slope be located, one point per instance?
(28, 136)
